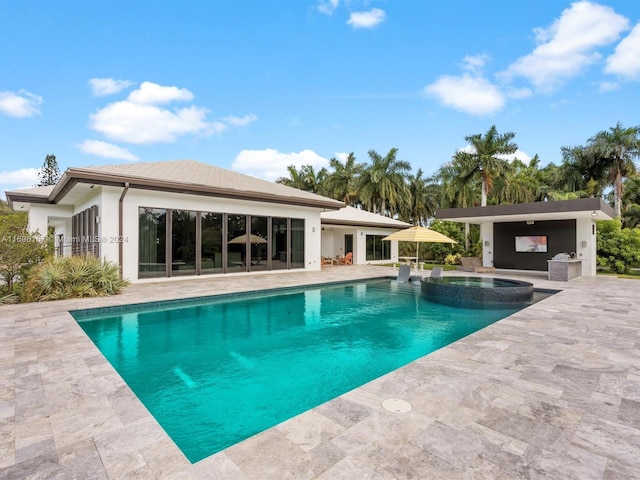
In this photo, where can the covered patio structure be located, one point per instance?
(525, 236)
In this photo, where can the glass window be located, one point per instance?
(211, 247)
(152, 243)
(236, 243)
(183, 242)
(259, 250)
(297, 243)
(377, 249)
(279, 244)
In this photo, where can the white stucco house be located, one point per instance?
(183, 218)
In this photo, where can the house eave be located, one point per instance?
(73, 176)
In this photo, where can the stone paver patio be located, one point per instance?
(551, 392)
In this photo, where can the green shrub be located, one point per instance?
(452, 259)
(618, 248)
(71, 277)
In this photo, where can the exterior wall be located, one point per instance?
(561, 237)
(361, 241)
(328, 243)
(486, 234)
(586, 245)
(39, 216)
(135, 199)
(109, 216)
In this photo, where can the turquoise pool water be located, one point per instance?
(215, 371)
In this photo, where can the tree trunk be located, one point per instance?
(483, 200)
(617, 194)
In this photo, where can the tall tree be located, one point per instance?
(49, 173)
(305, 179)
(615, 150)
(519, 183)
(341, 183)
(484, 158)
(382, 186)
(456, 190)
(423, 199)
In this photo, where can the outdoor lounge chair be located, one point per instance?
(403, 274)
(347, 259)
(436, 272)
(473, 264)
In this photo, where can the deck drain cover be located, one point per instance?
(396, 405)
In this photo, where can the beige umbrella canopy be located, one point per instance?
(418, 235)
(242, 239)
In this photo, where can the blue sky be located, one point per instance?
(254, 86)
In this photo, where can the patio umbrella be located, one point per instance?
(242, 239)
(418, 235)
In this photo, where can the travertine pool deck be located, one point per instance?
(551, 392)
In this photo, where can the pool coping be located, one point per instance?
(552, 390)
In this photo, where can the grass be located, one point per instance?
(634, 274)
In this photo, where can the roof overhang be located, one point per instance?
(594, 208)
(346, 223)
(86, 179)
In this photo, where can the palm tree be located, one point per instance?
(423, 199)
(615, 150)
(305, 179)
(518, 184)
(456, 191)
(484, 158)
(341, 183)
(382, 186)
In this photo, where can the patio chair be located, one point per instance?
(404, 274)
(347, 259)
(436, 272)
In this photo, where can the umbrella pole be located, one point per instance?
(417, 257)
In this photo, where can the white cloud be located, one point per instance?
(475, 63)
(342, 156)
(368, 19)
(106, 150)
(241, 121)
(153, 94)
(517, 93)
(608, 86)
(19, 105)
(18, 179)
(519, 154)
(23, 176)
(328, 6)
(569, 45)
(108, 86)
(271, 164)
(470, 94)
(625, 61)
(143, 118)
(130, 122)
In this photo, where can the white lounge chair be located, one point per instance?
(403, 274)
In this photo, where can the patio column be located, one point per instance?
(486, 234)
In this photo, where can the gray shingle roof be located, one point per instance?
(190, 176)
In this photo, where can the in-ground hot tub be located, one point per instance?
(477, 292)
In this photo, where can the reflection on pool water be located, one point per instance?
(214, 371)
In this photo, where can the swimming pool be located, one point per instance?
(214, 371)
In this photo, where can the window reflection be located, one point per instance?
(236, 243)
(259, 242)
